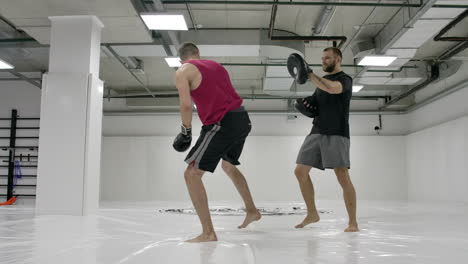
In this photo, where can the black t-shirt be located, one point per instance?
(333, 118)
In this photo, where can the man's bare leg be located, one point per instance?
(193, 179)
(349, 195)
(243, 188)
(307, 190)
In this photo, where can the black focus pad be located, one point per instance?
(310, 100)
(182, 142)
(298, 68)
(311, 111)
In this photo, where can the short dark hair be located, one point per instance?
(188, 49)
(335, 51)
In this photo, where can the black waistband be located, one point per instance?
(240, 109)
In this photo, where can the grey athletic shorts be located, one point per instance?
(324, 152)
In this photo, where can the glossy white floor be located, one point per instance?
(391, 232)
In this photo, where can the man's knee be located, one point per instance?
(343, 176)
(301, 172)
(228, 168)
(192, 173)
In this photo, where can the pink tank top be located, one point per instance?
(215, 95)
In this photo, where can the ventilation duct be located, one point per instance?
(407, 31)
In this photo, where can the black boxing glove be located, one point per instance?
(183, 139)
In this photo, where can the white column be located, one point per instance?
(71, 113)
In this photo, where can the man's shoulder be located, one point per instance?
(187, 70)
(343, 74)
(205, 63)
(344, 78)
(337, 75)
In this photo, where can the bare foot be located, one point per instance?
(309, 219)
(203, 238)
(249, 218)
(352, 228)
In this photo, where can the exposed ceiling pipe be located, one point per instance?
(360, 28)
(21, 43)
(450, 6)
(309, 3)
(449, 26)
(32, 43)
(324, 20)
(19, 79)
(14, 40)
(271, 29)
(434, 72)
(189, 10)
(274, 8)
(433, 77)
(159, 7)
(11, 37)
(14, 33)
(389, 35)
(25, 78)
(399, 24)
(315, 65)
(342, 39)
(166, 45)
(166, 38)
(290, 36)
(119, 59)
(291, 3)
(6, 21)
(247, 29)
(437, 96)
(142, 6)
(454, 51)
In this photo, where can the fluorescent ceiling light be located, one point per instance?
(164, 21)
(5, 66)
(377, 60)
(173, 61)
(357, 88)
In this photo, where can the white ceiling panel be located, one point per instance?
(441, 13)
(421, 32)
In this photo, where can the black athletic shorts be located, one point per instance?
(223, 140)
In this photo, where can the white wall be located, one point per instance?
(140, 164)
(147, 168)
(424, 161)
(448, 108)
(24, 97)
(437, 150)
(415, 132)
(437, 167)
(262, 125)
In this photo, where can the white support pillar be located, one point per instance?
(71, 114)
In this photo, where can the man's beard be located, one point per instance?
(330, 68)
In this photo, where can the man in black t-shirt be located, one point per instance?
(327, 145)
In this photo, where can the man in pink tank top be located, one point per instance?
(226, 125)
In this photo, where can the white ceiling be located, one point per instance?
(123, 26)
